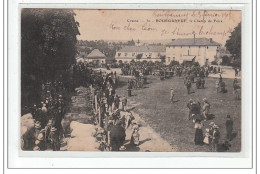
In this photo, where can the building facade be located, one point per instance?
(202, 50)
(140, 53)
(96, 57)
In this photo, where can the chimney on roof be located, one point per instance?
(138, 43)
(194, 38)
(210, 40)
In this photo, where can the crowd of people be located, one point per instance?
(110, 110)
(112, 115)
(48, 116)
(198, 113)
(201, 112)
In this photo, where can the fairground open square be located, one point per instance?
(131, 80)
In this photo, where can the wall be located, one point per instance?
(101, 60)
(201, 52)
(129, 56)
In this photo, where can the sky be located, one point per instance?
(156, 24)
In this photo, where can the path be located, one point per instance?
(149, 139)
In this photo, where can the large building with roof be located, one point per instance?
(96, 57)
(144, 52)
(202, 50)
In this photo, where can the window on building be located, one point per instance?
(133, 54)
(125, 54)
(119, 54)
(150, 54)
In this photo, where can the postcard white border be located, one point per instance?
(17, 158)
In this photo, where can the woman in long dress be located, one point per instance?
(198, 132)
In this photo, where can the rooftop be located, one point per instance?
(149, 48)
(193, 41)
(96, 54)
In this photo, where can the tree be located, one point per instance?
(132, 61)
(173, 63)
(139, 56)
(131, 43)
(162, 57)
(237, 63)
(233, 44)
(226, 60)
(48, 46)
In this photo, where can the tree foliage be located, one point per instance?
(237, 63)
(139, 56)
(48, 45)
(226, 61)
(162, 57)
(173, 63)
(233, 44)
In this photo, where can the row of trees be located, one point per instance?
(233, 45)
(108, 48)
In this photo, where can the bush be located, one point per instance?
(226, 61)
(214, 63)
(174, 63)
(237, 63)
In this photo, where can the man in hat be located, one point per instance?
(211, 130)
(37, 127)
(229, 127)
(188, 86)
(189, 106)
(171, 95)
(205, 108)
(116, 102)
(129, 88)
(117, 136)
(124, 103)
(202, 83)
(54, 139)
(42, 140)
(215, 138)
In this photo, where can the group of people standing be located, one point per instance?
(112, 115)
(199, 113)
(48, 116)
(212, 135)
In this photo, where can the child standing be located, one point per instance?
(135, 135)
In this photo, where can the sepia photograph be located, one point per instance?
(129, 80)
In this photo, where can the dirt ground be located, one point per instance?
(170, 120)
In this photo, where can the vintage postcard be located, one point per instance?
(130, 80)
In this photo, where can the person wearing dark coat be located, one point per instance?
(117, 136)
(229, 127)
(54, 139)
(215, 138)
(188, 86)
(203, 83)
(116, 102)
(189, 106)
(198, 132)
